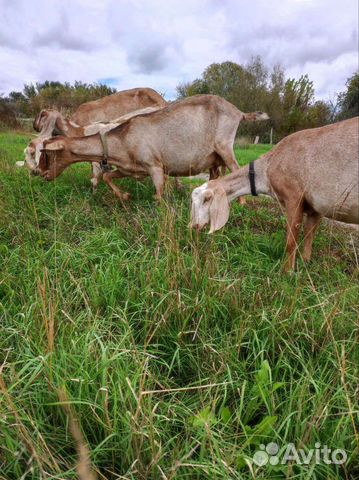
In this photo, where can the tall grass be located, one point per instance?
(176, 354)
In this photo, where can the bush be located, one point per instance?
(243, 142)
(7, 116)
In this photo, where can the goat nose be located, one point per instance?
(35, 172)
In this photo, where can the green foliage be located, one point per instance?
(197, 87)
(319, 114)
(62, 96)
(240, 85)
(290, 103)
(7, 116)
(298, 98)
(178, 351)
(349, 100)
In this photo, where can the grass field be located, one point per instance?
(176, 354)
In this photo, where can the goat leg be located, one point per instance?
(294, 221)
(108, 176)
(158, 178)
(311, 224)
(96, 176)
(230, 161)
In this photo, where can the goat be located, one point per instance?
(183, 139)
(108, 108)
(54, 123)
(312, 172)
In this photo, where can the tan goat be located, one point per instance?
(57, 124)
(185, 138)
(312, 172)
(108, 108)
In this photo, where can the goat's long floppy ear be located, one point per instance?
(43, 160)
(53, 146)
(219, 210)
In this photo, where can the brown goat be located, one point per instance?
(185, 138)
(312, 172)
(108, 108)
(54, 123)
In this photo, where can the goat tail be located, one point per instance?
(255, 116)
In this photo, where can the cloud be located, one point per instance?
(330, 77)
(161, 44)
(61, 37)
(291, 47)
(151, 59)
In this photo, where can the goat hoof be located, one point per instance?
(126, 196)
(179, 186)
(288, 269)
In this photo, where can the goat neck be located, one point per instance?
(237, 184)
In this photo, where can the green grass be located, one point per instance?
(106, 302)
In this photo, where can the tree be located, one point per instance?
(187, 89)
(7, 114)
(290, 103)
(297, 98)
(348, 101)
(49, 94)
(319, 113)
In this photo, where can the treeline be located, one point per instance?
(61, 96)
(289, 102)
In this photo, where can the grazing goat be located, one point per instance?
(108, 108)
(312, 172)
(105, 109)
(56, 124)
(185, 138)
(32, 151)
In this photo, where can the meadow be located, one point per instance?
(171, 354)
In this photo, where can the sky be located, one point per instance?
(159, 43)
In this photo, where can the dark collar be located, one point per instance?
(252, 181)
(104, 165)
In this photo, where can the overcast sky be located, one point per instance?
(159, 43)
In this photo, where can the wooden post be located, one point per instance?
(271, 136)
(256, 140)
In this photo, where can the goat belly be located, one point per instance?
(342, 205)
(132, 170)
(188, 165)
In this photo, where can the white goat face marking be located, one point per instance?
(30, 159)
(38, 153)
(200, 206)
